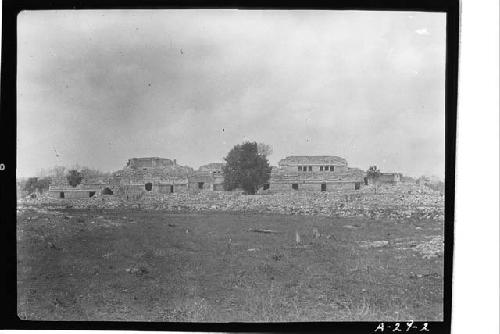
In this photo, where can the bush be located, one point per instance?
(34, 184)
(74, 177)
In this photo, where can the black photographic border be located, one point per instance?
(8, 276)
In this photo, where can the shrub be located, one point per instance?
(246, 168)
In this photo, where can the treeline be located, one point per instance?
(62, 171)
(74, 175)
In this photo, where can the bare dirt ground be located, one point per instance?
(154, 265)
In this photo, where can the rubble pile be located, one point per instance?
(388, 202)
(158, 173)
(431, 248)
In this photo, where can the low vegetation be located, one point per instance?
(35, 184)
(126, 264)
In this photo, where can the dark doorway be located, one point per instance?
(91, 193)
(200, 185)
(323, 187)
(295, 186)
(107, 191)
(266, 186)
(357, 185)
(148, 186)
(171, 188)
(61, 194)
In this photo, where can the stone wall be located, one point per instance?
(139, 189)
(314, 186)
(212, 167)
(153, 162)
(389, 178)
(316, 169)
(144, 176)
(402, 202)
(165, 177)
(207, 180)
(319, 178)
(72, 193)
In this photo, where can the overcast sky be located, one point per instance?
(96, 88)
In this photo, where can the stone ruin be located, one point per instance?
(88, 187)
(143, 176)
(153, 175)
(314, 173)
(208, 177)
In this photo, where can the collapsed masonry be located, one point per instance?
(375, 176)
(88, 187)
(154, 175)
(150, 175)
(207, 177)
(142, 176)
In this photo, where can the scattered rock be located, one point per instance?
(331, 236)
(262, 231)
(139, 271)
(297, 237)
(413, 275)
(316, 233)
(53, 246)
(418, 203)
(373, 244)
(277, 257)
(433, 247)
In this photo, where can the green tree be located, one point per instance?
(74, 177)
(246, 168)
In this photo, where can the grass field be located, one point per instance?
(139, 265)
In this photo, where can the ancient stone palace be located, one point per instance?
(154, 175)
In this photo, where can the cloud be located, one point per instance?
(304, 82)
(422, 31)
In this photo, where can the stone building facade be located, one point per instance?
(60, 188)
(391, 178)
(152, 162)
(375, 176)
(314, 173)
(154, 175)
(207, 177)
